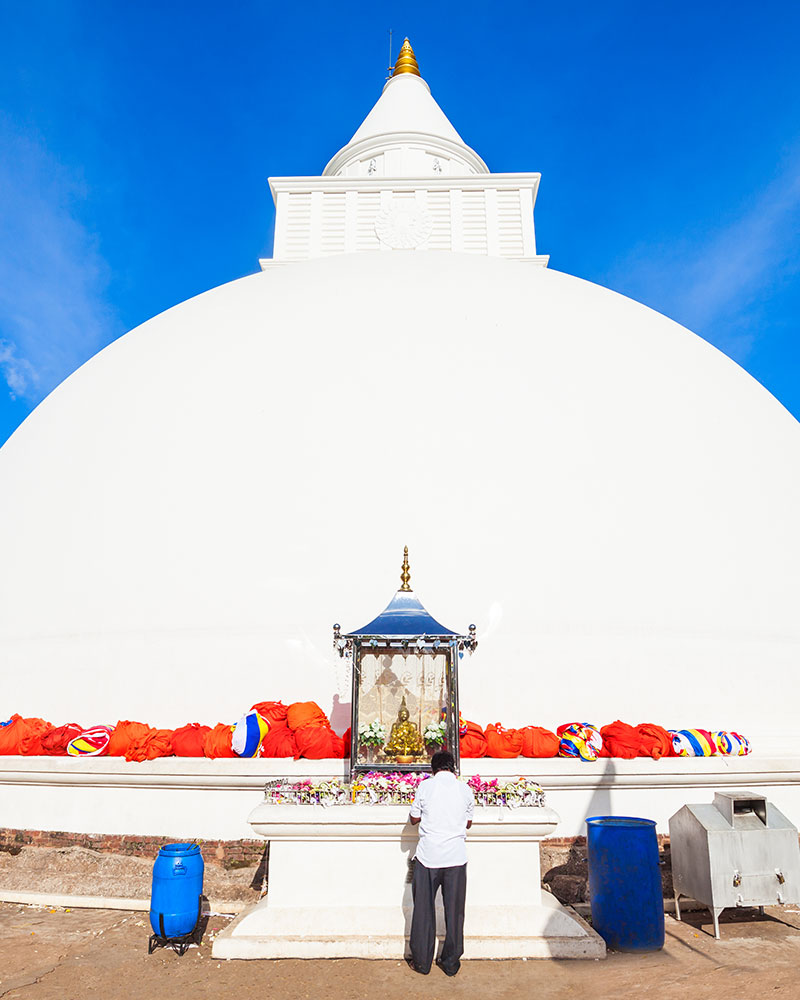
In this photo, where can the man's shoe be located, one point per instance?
(447, 972)
(415, 968)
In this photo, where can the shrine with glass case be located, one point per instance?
(405, 685)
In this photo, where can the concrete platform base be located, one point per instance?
(340, 887)
(547, 930)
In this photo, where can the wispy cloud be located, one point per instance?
(718, 286)
(53, 314)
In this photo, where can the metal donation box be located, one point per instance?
(737, 851)
(405, 685)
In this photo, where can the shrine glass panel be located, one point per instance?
(384, 677)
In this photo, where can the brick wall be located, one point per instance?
(226, 853)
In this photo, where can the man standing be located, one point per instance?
(443, 806)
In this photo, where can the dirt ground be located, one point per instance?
(48, 954)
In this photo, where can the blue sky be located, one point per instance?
(136, 141)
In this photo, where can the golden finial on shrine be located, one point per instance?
(406, 61)
(405, 576)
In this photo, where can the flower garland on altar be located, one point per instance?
(397, 788)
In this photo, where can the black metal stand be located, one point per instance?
(180, 944)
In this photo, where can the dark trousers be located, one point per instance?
(423, 923)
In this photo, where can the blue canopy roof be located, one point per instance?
(405, 617)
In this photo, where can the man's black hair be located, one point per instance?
(443, 760)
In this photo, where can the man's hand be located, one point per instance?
(415, 820)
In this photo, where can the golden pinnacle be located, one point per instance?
(405, 576)
(406, 61)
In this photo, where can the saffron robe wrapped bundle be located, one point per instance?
(124, 735)
(217, 742)
(656, 741)
(502, 742)
(473, 743)
(581, 740)
(305, 713)
(318, 743)
(538, 742)
(273, 711)
(279, 742)
(188, 740)
(620, 740)
(22, 736)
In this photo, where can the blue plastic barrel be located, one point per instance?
(625, 882)
(177, 888)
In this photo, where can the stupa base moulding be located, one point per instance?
(339, 887)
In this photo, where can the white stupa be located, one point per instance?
(613, 501)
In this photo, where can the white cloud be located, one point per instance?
(718, 286)
(52, 278)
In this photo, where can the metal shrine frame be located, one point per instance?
(405, 629)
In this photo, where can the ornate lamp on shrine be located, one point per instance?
(405, 685)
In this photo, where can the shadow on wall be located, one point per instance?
(340, 715)
(565, 869)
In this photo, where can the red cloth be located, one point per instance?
(656, 741)
(273, 711)
(305, 713)
(318, 743)
(217, 742)
(620, 740)
(538, 742)
(346, 739)
(503, 742)
(279, 742)
(55, 742)
(188, 740)
(23, 736)
(473, 742)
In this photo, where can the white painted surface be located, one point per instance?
(403, 134)
(339, 887)
(189, 797)
(609, 498)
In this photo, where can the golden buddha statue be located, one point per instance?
(405, 742)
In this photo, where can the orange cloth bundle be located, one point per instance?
(30, 742)
(538, 742)
(302, 714)
(22, 736)
(273, 711)
(188, 740)
(318, 743)
(473, 743)
(655, 741)
(138, 741)
(620, 740)
(54, 743)
(503, 742)
(124, 735)
(279, 742)
(154, 743)
(217, 742)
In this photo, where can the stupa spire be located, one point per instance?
(405, 576)
(406, 61)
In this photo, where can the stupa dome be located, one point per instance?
(611, 499)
